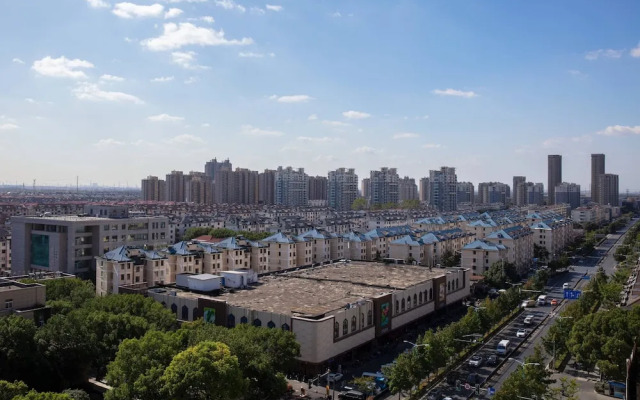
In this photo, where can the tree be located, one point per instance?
(77, 394)
(137, 305)
(222, 233)
(410, 204)
(18, 351)
(195, 231)
(364, 384)
(359, 204)
(68, 293)
(540, 252)
(9, 390)
(33, 395)
(500, 273)
(528, 381)
(206, 371)
(450, 259)
(402, 374)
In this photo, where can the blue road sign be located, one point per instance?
(572, 294)
(586, 277)
(491, 391)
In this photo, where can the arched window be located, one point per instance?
(174, 309)
(353, 323)
(345, 327)
(426, 295)
(271, 325)
(185, 313)
(285, 327)
(430, 293)
(231, 321)
(448, 286)
(336, 330)
(415, 300)
(257, 322)
(402, 305)
(457, 282)
(361, 320)
(196, 313)
(244, 320)
(420, 298)
(369, 317)
(408, 302)
(164, 304)
(397, 306)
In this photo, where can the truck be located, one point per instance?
(503, 347)
(542, 300)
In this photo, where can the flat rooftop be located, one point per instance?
(316, 291)
(81, 218)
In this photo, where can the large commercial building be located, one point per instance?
(443, 189)
(554, 176)
(69, 243)
(291, 187)
(342, 188)
(332, 309)
(568, 193)
(608, 190)
(597, 169)
(384, 186)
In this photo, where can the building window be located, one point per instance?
(430, 293)
(345, 327)
(285, 327)
(336, 330)
(448, 286)
(257, 322)
(369, 317)
(457, 283)
(397, 306)
(420, 298)
(8, 304)
(402, 305)
(185, 313)
(415, 300)
(271, 325)
(174, 309)
(361, 320)
(408, 302)
(353, 323)
(244, 320)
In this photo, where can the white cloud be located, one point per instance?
(336, 14)
(273, 7)
(620, 130)
(185, 139)
(355, 115)
(431, 146)
(324, 139)
(177, 35)
(98, 4)
(186, 60)
(190, 80)
(249, 54)
(312, 117)
(258, 10)
(130, 10)
(111, 78)
(453, 92)
(208, 19)
(172, 13)
(205, 125)
(188, 1)
(603, 53)
(108, 142)
(635, 52)
(405, 135)
(253, 131)
(577, 74)
(17, 61)
(296, 98)
(8, 126)
(162, 79)
(61, 67)
(366, 150)
(165, 118)
(230, 5)
(336, 124)
(91, 92)
(30, 100)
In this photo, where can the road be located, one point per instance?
(543, 318)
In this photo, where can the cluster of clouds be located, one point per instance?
(611, 53)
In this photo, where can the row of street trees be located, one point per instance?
(222, 233)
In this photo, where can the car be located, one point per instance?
(528, 319)
(565, 286)
(492, 359)
(475, 361)
(528, 303)
(554, 302)
(473, 378)
(334, 377)
(521, 333)
(435, 394)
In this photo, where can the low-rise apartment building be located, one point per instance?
(519, 243)
(479, 255)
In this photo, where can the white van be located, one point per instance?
(565, 286)
(542, 300)
(503, 347)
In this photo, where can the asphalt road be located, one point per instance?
(543, 318)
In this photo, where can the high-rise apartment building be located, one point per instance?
(519, 190)
(237, 187)
(366, 188)
(568, 193)
(213, 166)
(291, 187)
(554, 176)
(465, 193)
(443, 191)
(597, 169)
(424, 190)
(608, 189)
(342, 188)
(198, 188)
(534, 193)
(493, 192)
(175, 186)
(318, 188)
(153, 189)
(407, 189)
(267, 187)
(384, 186)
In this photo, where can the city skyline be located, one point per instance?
(130, 90)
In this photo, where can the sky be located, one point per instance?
(111, 92)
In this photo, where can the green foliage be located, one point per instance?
(540, 252)
(450, 259)
(33, 395)
(528, 381)
(77, 394)
(195, 232)
(222, 233)
(359, 204)
(364, 384)
(206, 371)
(500, 274)
(404, 374)
(18, 351)
(137, 305)
(72, 290)
(8, 390)
(410, 204)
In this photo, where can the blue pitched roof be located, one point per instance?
(152, 255)
(408, 240)
(180, 248)
(279, 238)
(313, 234)
(230, 243)
(484, 245)
(356, 237)
(118, 254)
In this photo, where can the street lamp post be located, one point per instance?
(416, 345)
(524, 364)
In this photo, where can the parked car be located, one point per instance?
(521, 333)
(452, 377)
(528, 319)
(334, 377)
(475, 361)
(492, 360)
(473, 378)
(435, 394)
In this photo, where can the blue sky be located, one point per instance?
(115, 91)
